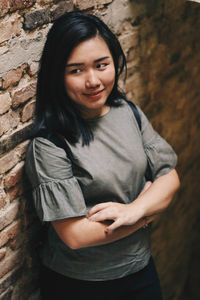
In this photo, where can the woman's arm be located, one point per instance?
(80, 232)
(154, 200)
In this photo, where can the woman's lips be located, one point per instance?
(94, 95)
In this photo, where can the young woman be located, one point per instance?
(87, 163)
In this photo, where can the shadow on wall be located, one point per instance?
(170, 74)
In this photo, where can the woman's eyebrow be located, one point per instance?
(81, 64)
(100, 59)
(74, 64)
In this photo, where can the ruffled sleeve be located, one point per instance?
(56, 192)
(160, 155)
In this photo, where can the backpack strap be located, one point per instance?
(136, 113)
(148, 174)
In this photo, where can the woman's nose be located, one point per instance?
(92, 80)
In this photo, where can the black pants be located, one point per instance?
(143, 285)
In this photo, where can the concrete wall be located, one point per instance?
(161, 41)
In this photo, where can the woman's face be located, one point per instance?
(90, 77)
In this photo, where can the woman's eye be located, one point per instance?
(101, 66)
(75, 71)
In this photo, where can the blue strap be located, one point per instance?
(148, 174)
(136, 113)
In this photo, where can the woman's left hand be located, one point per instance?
(120, 214)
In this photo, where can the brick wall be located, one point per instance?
(161, 42)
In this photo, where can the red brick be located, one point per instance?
(10, 262)
(8, 215)
(19, 135)
(9, 121)
(9, 232)
(10, 28)
(84, 4)
(2, 199)
(22, 95)
(20, 4)
(14, 176)
(8, 161)
(13, 77)
(4, 7)
(4, 124)
(17, 4)
(2, 253)
(21, 149)
(5, 103)
(28, 111)
(15, 192)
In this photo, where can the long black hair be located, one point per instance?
(55, 111)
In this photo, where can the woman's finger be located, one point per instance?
(103, 215)
(116, 224)
(97, 208)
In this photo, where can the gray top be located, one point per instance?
(111, 168)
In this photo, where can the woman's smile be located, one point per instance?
(94, 95)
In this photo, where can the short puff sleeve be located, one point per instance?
(160, 155)
(56, 192)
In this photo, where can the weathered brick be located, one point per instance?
(21, 50)
(17, 242)
(129, 40)
(19, 4)
(84, 4)
(15, 192)
(2, 199)
(23, 94)
(14, 176)
(10, 28)
(21, 149)
(13, 76)
(33, 68)
(28, 111)
(7, 294)
(3, 7)
(36, 18)
(9, 232)
(5, 103)
(8, 121)
(10, 262)
(8, 161)
(21, 134)
(8, 215)
(43, 2)
(61, 8)
(9, 279)
(4, 123)
(2, 255)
